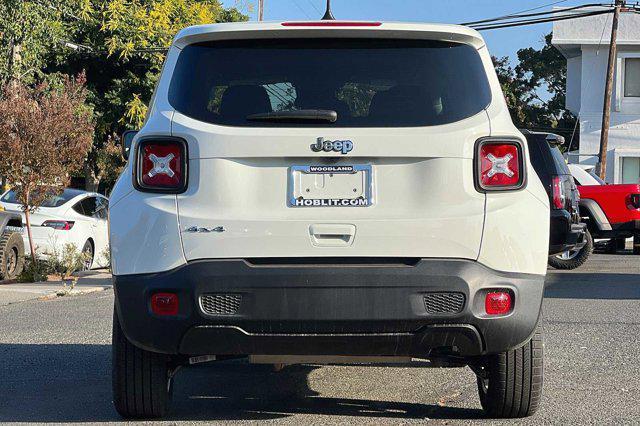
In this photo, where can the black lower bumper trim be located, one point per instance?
(632, 226)
(620, 230)
(313, 309)
(442, 339)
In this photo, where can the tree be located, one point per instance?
(27, 33)
(538, 71)
(122, 46)
(545, 68)
(45, 133)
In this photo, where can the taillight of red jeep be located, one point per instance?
(161, 165)
(633, 202)
(499, 165)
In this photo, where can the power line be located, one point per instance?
(315, 7)
(301, 9)
(85, 48)
(556, 16)
(528, 15)
(511, 15)
(539, 21)
(542, 7)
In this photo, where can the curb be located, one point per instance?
(74, 292)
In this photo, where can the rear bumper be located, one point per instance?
(620, 230)
(565, 233)
(329, 309)
(631, 226)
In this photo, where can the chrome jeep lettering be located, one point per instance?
(343, 147)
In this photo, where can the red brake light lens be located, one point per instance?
(162, 165)
(60, 225)
(497, 303)
(165, 304)
(558, 194)
(500, 165)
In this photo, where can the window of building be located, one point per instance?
(630, 170)
(632, 77)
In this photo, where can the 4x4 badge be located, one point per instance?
(344, 147)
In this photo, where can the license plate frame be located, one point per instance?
(365, 194)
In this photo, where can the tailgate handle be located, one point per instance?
(332, 235)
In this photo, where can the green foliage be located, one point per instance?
(28, 30)
(121, 47)
(105, 258)
(61, 262)
(34, 272)
(127, 38)
(537, 70)
(66, 261)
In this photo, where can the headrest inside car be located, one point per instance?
(240, 101)
(413, 102)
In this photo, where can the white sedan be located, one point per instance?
(74, 216)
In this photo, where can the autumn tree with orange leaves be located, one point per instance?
(45, 134)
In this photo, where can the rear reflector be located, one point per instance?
(497, 303)
(500, 165)
(60, 225)
(332, 24)
(164, 304)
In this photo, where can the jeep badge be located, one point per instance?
(344, 147)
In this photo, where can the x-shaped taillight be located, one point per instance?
(161, 165)
(499, 165)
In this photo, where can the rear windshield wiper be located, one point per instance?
(296, 115)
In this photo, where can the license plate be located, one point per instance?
(330, 186)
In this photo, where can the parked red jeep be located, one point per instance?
(613, 211)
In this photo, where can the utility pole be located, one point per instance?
(260, 10)
(606, 110)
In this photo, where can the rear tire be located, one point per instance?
(636, 244)
(577, 259)
(511, 382)
(140, 379)
(11, 255)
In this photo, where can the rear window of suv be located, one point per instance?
(559, 161)
(367, 82)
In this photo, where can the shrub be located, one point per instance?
(64, 263)
(34, 271)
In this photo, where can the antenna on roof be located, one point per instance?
(328, 16)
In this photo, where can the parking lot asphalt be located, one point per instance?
(55, 367)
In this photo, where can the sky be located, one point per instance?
(502, 42)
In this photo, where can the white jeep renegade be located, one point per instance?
(328, 191)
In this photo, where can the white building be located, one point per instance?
(585, 44)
